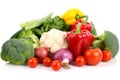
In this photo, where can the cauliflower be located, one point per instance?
(54, 40)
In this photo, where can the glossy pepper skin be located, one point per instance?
(86, 26)
(79, 42)
(70, 15)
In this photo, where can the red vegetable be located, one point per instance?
(93, 56)
(56, 65)
(80, 61)
(86, 26)
(32, 62)
(78, 42)
(47, 61)
(64, 55)
(107, 55)
(41, 53)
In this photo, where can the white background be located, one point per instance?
(105, 14)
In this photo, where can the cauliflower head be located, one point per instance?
(54, 40)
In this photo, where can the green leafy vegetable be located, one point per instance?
(34, 23)
(17, 34)
(93, 29)
(17, 51)
(55, 22)
(29, 34)
(39, 26)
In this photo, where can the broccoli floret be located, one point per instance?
(17, 51)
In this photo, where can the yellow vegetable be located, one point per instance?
(69, 16)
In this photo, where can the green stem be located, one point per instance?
(86, 19)
(77, 17)
(99, 42)
(77, 31)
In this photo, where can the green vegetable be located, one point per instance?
(55, 22)
(29, 34)
(16, 34)
(17, 51)
(34, 23)
(39, 26)
(94, 32)
(109, 41)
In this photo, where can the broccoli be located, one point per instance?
(17, 51)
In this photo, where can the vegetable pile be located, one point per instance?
(60, 41)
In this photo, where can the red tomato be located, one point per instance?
(80, 61)
(47, 61)
(93, 56)
(107, 55)
(56, 65)
(32, 62)
(41, 53)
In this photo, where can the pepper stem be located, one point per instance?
(86, 19)
(77, 17)
(77, 31)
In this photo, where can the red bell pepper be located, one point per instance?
(78, 41)
(86, 26)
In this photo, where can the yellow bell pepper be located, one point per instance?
(69, 16)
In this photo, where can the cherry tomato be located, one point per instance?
(56, 65)
(107, 55)
(80, 61)
(47, 61)
(32, 62)
(93, 56)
